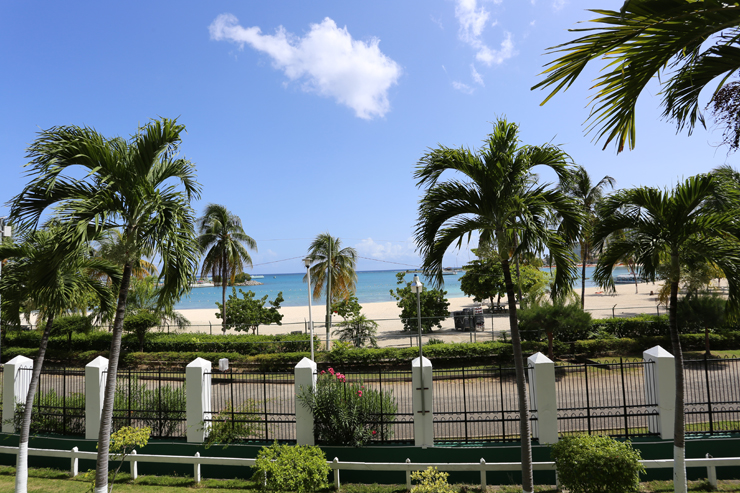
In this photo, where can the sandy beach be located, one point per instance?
(625, 302)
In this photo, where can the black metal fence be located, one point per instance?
(605, 399)
(151, 398)
(474, 405)
(712, 395)
(253, 406)
(59, 403)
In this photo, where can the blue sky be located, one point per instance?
(309, 117)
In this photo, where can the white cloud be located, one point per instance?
(558, 4)
(476, 76)
(472, 21)
(327, 60)
(385, 251)
(462, 87)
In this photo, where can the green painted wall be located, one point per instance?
(696, 447)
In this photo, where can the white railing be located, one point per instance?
(483, 467)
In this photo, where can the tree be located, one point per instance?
(222, 239)
(247, 313)
(333, 267)
(484, 279)
(433, 302)
(582, 190)
(358, 330)
(494, 193)
(566, 322)
(139, 324)
(685, 226)
(648, 38)
(56, 284)
(144, 296)
(131, 185)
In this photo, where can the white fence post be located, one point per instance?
(543, 398)
(305, 379)
(134, 465)
(94, 395)
(423, 395)
(198, 399)
(15, 388)
(74, 466)
(660, 388)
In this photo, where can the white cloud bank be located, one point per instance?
(387, 250)
(328, 61)
(473, 21)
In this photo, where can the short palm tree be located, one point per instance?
(683, 225)
(587, 195)
(222, 240)
(56, 286)
(332, 267)
(130, 185)
(494, 193)
(688, 45)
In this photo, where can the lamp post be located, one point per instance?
(307, 263)
(417, 287)
(5, 230)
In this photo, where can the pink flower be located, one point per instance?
(331, 370)
(375, 432)
(322, 372)
(359, 393)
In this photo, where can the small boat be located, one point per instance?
(258, 277)
(448, 271)
(624, 279)
(203, 284)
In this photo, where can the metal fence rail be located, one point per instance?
(604, 399)
(712, 395)
(59, 403)
(151, 398)
(254, 406)
(474, 405)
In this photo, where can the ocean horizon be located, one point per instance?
(372, 287)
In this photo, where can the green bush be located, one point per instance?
(591, 464)
(234, 423)
(431, 481)
(346, 413)
(296, 468)
(139, 325)
(160, 408)
(565, 322)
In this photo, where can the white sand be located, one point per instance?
(390, 332)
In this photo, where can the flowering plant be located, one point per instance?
(347, 413)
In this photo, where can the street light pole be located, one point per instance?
(417, 287)
(307, 263)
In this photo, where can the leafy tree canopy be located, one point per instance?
(434, 306)
(248, 312)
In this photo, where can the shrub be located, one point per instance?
(431, 481)
(234, 423)
(564, 322)
(139, 324)
(347, 413)
(587, 464)
(296, 468)
(161, 408)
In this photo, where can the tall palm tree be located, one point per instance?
(648, 38)
(222, 240)
(56, 286)
(129, 185)
(333, 267)
(685, 226)
(494, 192)
(579, 186)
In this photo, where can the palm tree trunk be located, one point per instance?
(679, 456)
(21, 468)
(223, 294)
(516, 344)
(106, 418)
(328, 299)
(584, 258)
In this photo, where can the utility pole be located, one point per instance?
(5, 230)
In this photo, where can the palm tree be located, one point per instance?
(111, 246)
(644, 39)
(334, 267)
(222, 240)
(127, 185)
(495, 193)
(684, 226)
(56, 286)
(579, 186)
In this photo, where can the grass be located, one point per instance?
(42, 480)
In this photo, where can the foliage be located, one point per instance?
(347, 307)
(296, 468)
(642, 40)
(51, 421)
(592, 464)
(144, 296)
(358, 330)
(160, 408)
(346, 413)
(342, 275)
(483, 279)
(123, 442)
(234, 423)
(698, 312)
(431, 481)
(247, 312)
(726, 110)
(433, 306)
(139, 325)
(564, 322)
(241, 278)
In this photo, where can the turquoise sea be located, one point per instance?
(372, 287)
